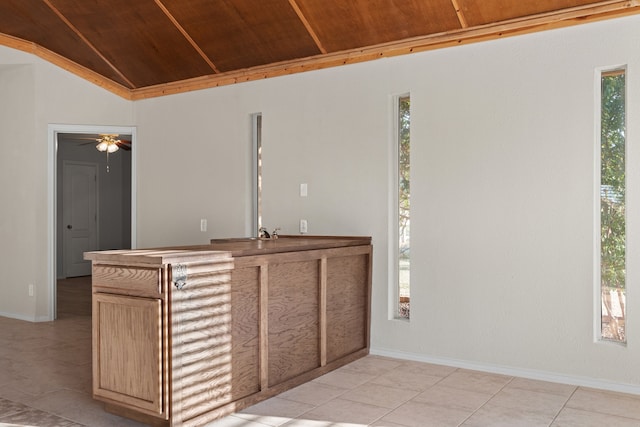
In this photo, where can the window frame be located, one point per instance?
(394, 214)
(256, 173)
(597, 273)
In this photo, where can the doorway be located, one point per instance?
(93, 201)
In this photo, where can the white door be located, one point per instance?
(79, 216)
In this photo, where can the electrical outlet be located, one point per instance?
(203, 225)
(30, 290)
(303, 190)
(303, 226)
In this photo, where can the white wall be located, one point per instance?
(502, 190)
(34, 94)
(18, 190)
(504, 185)
(192, 161)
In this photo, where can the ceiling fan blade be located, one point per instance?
(125, 145)
(94, 140)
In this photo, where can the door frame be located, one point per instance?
(52, 196)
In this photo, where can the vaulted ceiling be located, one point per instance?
(145, 48)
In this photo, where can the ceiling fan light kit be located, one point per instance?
(108, 144)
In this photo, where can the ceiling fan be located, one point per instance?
(111, 143)
(106, 142)
(97, 139)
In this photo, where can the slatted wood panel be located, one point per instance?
(244, 33)
(293, 319)
(480, 12)
(145, 48)
(214, 342)
(137, 38)
(35, 22)
(356, 23)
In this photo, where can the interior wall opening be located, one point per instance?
(92, 208)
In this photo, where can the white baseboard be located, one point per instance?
(512, 371)
(25, 318)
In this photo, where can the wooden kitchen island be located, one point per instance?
(185, 335)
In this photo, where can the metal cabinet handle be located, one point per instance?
(69, 226)
(179, 275)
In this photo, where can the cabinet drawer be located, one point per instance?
(138, 281)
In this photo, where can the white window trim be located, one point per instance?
(597, 256)
(256, 208)
(394, 182)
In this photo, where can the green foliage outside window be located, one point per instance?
(404, 155)
(612, 203)
(404, 202)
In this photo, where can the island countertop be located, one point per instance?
(223, 248)
(285, 243)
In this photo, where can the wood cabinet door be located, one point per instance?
(127, 351)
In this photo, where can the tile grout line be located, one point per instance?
(606, 414)
(24, 408)
(564, 405)
(488, 400)
(389, 410)
(411, 399)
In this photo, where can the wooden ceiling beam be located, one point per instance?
(461, 18)
(87, 42)
(187, 36)
(308, 26)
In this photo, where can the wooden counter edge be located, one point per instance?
(157, 257)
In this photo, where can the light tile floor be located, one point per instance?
(45, 380)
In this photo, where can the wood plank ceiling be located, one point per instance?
(145, 48)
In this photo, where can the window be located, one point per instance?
(256, 125)
(612, 206)
(403, 208)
